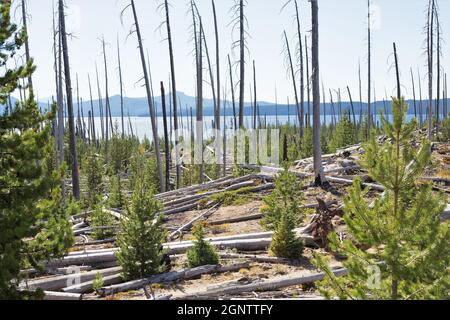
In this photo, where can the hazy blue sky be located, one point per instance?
(343, 41)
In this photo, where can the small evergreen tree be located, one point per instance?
(286, 197)
(116, 199)
(94, 173)
(98, 282)
(285, 243)
(344, 134)
(202, 253)
(141, 236)
(401, 235)
(101, 219)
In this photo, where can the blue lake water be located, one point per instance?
(142, 125)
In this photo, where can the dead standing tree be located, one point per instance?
(27, 44)
(72, 141)
(173, 91)
(318, 169)
(290, 67)
(301, 65)
(149, 97)
(239, 21)
(430, 38)
(369, 69)
(121, 87)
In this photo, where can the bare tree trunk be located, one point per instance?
(291, 67)
(166, 136)
(149, 100)
(100, 104)
(369, 71)
(360, 95)
(216, 29)
(414, 93)
(27, 44)
(199, 142)
(255, 112)
(121, 87)
(233, 100)
(332, 108)
(174, 92)
(353, 108)
(420, 98)
(318, 169)
(445, 97)
(242, 63)
(94, 134)
(107, 107)
(59, 98)
(430, 37)
(302, 73)
(438, 68)
(397, 73)
(72, 141)
(308, 84)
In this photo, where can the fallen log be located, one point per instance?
(264, 259)
(350, 182)
(188, 225)
(59, 282)
(87, 286)
(264, 285)
(50, 295)
(173, 276)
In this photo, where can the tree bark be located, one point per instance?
(72, 140)
(318, 169)
(166, 136)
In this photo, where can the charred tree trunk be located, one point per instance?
(233, 100)
(166, 136)
(291, 68)
(216, 30)
(420, 98)
(397, 73)
(121, 88)
(308, 84)
(430, 37)
(369, 70)
(72, 140)
(414, 93)
(100, 105)
(149, 100)
(242, 63)
(174, 93)
(94, 134)
(27, 44)
(318, 169)
(351, 104)
(107, 107)
(302, 73)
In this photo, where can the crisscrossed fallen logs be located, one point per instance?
(243, 242)
(171, 277)
(228, 288)
(188, 225)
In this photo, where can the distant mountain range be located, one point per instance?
(138, 107)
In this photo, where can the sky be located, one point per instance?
(342, 30)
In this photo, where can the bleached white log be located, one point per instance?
(170, 277)
(50, 295)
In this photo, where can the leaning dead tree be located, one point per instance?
(301, 65)
(72, 141)
(290, 67)
(318, 169)
(149, 98)
(233, 100)
(107, 107)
